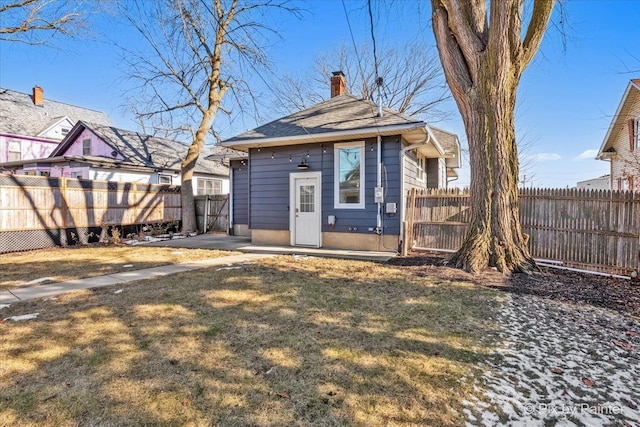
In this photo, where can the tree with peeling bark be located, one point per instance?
(199, 51)
(37, 21)
(483, 54)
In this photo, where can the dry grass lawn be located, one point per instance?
(284, 342)
(69, 263)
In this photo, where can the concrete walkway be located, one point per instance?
(53, 289)
(243, 244)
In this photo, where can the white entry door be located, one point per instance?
(305, 215)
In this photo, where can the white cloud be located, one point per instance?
(542, 157)
(588, 154)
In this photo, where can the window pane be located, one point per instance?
(349, 169)
(307, 198)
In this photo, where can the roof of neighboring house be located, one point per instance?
(74, 161)
(343, 116)
(143, 150)
(451, 145)
(629, 98)
(20, 116)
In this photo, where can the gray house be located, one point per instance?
(335, 175)
(31, 126)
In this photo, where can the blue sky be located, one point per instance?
(566, 98)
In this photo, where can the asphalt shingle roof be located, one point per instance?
(147, 150)
(340, 113)
(447, 140)
(20, 116)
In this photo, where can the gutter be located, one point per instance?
(324, 137)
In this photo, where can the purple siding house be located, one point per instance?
(31, 127)
(336, 174)
(98, 152)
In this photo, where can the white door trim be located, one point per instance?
(292, 203)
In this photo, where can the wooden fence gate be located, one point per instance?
(212, 213)
(589, 229)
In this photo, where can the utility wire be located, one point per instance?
(353, 40)
(373, 38)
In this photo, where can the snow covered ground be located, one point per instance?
(560, 365)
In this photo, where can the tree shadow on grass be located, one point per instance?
(286, 342)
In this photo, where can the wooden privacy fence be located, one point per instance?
(590, 229)
(212, 212)
(38, 212)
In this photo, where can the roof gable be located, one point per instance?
(630, 97)
(140, 149)
(20, 116)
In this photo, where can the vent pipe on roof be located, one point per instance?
(379, 84)
(38, 96)
(338, 84)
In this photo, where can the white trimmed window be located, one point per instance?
(165, 179)
(209, 186)
(15, 151)
(86, 147)
(421, 165)
(349, 175)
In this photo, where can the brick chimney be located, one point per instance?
(338, 84)
(38, 96)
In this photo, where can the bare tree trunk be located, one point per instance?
(495, 236)
(483, 56)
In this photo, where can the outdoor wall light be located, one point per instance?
(303, 165)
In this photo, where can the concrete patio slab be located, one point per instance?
(243, 244)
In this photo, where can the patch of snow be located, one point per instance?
(228, 268)
(22, 317)
(4, 306)
(36, 281)
(595, 382)
(119, 291)
(127, 266)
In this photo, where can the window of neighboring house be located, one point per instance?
(15, 151)
(625, 184)
(164, 179)
(349, 175)
(209, 186)
(44, 173)
(636, 133)
(86, 147)
(64, 131)
(422, 167)
(30, 173)
(77, 175)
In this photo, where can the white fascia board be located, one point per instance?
(615, 119)
(323, 137)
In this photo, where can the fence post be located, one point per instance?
(206, 214)
(65, 205)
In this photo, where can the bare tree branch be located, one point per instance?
(197, 52)
(35, 22)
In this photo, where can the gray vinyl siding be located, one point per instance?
(270, 169)
(411, 172)
(240, 191)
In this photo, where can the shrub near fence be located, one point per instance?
(589, 229)
(38, 212)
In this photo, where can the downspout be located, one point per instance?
(403, 196)
(230, 231)
(379, 185)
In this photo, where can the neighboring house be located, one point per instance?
(31, 126)
(336, 174)
(98, 152)
(621, 145)
(601, 183)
